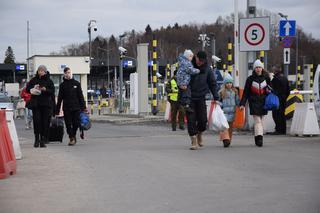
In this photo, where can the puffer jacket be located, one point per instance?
(255, 92)
(229, 103)
(203, 83)
(45, 98)
(185, 70)
(70, 93)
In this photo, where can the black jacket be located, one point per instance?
(45, 98)
(280, 86)
(203, 82)
(255, 91)
(70, 93)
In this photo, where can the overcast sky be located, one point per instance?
(56, 23)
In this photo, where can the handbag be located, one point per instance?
(218, 121)
(271, 102)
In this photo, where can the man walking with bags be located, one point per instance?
(70, 93)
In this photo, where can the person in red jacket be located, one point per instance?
(27, 112)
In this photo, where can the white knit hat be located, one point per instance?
(258, 63)
(188, 53)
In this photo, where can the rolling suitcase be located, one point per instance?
(56, 130)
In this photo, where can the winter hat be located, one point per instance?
(188, 53)
(227, 79)
(42, 67)
(258, 63)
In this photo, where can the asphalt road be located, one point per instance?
(149, 169)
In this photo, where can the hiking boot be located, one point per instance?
(72, 141)
(258, 140)
(43, 142)
(226, 143)
(199, 139)
(194, 144)
(36, 141)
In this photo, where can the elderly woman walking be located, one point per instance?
(42, 89)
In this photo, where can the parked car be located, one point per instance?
(5, 102)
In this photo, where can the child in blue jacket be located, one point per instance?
(185, 70)
(229, 100)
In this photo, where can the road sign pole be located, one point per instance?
(251, 13)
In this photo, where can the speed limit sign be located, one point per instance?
(254, 34)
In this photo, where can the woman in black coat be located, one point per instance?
(255, 92)
(42, 89)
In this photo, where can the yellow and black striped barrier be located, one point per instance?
(298, 84)
(291, 103)
(154, 76)
(311, 81)
(262, 56)
(229, 56)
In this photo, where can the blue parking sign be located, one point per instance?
(287, 28)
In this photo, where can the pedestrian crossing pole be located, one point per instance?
(298, 83)
(311, 81)
(154, 76)
(229, 56)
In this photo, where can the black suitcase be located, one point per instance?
(56, 130)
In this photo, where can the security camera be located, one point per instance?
(95, 28)
(158, 75)
(216, 58)
(123, 50)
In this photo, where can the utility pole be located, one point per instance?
(28, 63)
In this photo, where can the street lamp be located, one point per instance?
(91, 25)
(283, 16)
(122, 52)
(205, 40)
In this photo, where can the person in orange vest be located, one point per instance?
(27, 111)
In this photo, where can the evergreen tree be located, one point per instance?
(9, 59)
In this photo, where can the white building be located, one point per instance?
(55, 65)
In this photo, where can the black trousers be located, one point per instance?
(175, 109)
(197, 120)
(41, 120)
(280, 119)
(72, 120)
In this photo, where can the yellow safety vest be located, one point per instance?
(173, 95)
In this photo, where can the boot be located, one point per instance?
(72, 141)
(43, 142)
(36, 140)
(226, 143)
(258, 140)
(194, 144)
(199, 139)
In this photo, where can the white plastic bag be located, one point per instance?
(218, 119)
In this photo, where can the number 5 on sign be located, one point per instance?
(254, 34)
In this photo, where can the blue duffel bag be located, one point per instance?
(271, 102)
